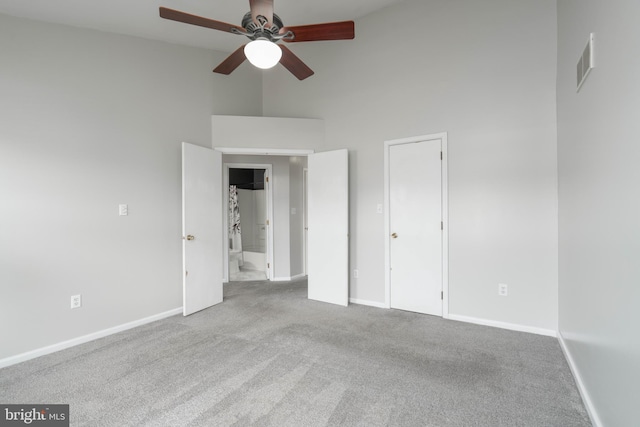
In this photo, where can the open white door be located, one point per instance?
(201, 228)
(328, 222)
(416, 227)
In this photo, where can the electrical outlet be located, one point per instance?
(503, 289)
(355, 274)
(76, 301)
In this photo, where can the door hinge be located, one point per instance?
(267, 222)
(441, 225)
(441, 157)
(267, 178)
(441, 295)
(268, 265)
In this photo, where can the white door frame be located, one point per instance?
(225, 201)
(287, 152)
(305, 227)
(445, 218)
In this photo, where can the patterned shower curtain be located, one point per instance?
(235, 233)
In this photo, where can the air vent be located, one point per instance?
(585, 63)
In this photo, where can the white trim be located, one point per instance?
(369, 303)
(12, 360)
(586, 398)
(282, 279)
(504, 325)
(298, 276)
(225, 220)
(445, 217)
(445, 227)
(264, 151)
(305, 219)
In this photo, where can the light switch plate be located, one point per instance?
(123, 210)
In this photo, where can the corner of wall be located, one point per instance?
(584, 393)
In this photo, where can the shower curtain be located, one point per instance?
(235, 233)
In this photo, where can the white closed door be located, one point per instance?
(201, 227)
(415, 225)
(328, 227)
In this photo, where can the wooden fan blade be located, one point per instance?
(262, 7)
(176, 15)
(294, 64)
(232, 62)
(344, 30)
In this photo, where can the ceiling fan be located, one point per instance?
(264, 28)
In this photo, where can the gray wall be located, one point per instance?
(91, 120)
(485, 73)
(598, 156)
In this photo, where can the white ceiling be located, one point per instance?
(140, 17)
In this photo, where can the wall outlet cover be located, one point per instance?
(503, 289)
(76, 301)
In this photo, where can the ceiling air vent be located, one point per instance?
(585, 63)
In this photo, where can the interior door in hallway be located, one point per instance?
(415, 224)
(328, 222)
(201, 228)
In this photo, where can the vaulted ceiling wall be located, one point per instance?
(485, 73)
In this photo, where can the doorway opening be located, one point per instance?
(248, 199)
(205, 181)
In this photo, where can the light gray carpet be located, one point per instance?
(268, 356)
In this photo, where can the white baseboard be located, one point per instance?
(369, 303)
(504, 325)
(586, 399)
(298, 276)
(12, 360)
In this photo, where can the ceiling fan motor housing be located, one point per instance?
(260, 30)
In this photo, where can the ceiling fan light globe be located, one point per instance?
(263, 53)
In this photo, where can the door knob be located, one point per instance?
(394, 235)
(190, 237)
